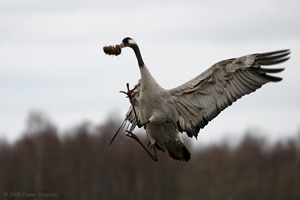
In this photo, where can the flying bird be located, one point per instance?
(190, 106)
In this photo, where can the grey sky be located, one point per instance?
(52, 60)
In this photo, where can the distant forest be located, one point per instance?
(80, 165)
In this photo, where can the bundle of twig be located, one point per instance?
(112, 50)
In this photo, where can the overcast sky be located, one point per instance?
(51, 58)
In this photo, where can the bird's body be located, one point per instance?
(189, 107)
(154, 107)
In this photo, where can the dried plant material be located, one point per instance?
(112, 50)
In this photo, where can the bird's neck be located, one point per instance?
(138, 55)
(147, 81)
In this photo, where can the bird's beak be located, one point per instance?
(122, 45)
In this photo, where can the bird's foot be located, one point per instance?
(129, 91)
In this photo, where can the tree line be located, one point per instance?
(81, 165)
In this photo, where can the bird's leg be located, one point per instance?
(133, 136)
(139, 124)
(129, 95)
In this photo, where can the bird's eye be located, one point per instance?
(127, 40)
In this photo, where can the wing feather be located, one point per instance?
(198, 101)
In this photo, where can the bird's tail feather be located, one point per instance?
(182, 154)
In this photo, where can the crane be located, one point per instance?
(190, 106)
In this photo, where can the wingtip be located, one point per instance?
(272, 58)
(272, 78)
(119, 129)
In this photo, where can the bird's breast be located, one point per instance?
(154, 106)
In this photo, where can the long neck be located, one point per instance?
(138, 55)
(147, 80)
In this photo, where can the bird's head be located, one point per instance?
(117, 49)
(127, 42)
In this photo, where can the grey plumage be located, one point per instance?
(218, 87)
(190, 106)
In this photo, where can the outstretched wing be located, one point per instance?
(198, 101)
(130, 121)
